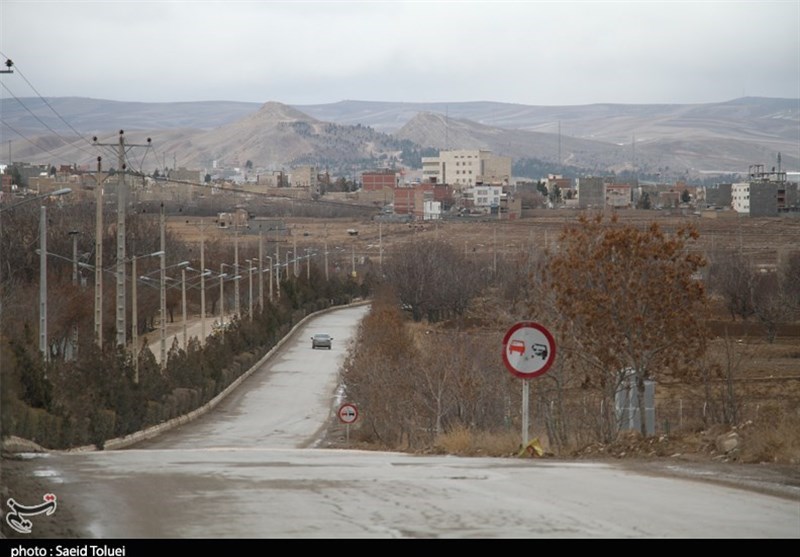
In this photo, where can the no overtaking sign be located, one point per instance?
(528, 349)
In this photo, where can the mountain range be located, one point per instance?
(670, 140)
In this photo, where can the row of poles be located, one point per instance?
(122, 261)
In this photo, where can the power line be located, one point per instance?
(9, 63)
(32, 142)
(45, 124)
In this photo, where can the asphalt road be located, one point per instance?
(249, 469)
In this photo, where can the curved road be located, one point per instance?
(249, 470)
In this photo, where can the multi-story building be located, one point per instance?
(619, 196)
(404, 197)
(719, 195)
(465, 168)
(377, 180)
(482, 196)
(305, 177)
(272, 179)
(591, 193)
(430, 170)
(764, 194)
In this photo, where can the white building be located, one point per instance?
(432, 210)
(740, 197)
(465, 168)
(482, 196)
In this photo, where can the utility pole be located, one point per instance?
(294, 253)
(183, 307)
(494, 260)
(236, 270)
(74, 234)
(202, 284)
(202, 227)
(135, 319)
(121, 207)
(326, 252)
(98, 257)
(326, 259)
(121, 211)
(261, 272)
(278, 267)
(43, 283)
(250, 297)
(221, 296)
(163, 278)
(270, 278)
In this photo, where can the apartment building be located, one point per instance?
(377, 180)
(619, 196)
(764, 194)
(591, 192)
(483, 196)
(305, 177)
(465, 168)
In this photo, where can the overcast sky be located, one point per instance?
(529, 52)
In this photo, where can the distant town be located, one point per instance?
(456, 183)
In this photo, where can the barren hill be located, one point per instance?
(671, 140)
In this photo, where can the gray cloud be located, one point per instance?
(539, 53)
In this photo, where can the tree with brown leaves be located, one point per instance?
(631, 299)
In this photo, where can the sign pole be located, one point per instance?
(348, 413)
(525, 410)
(529, 350)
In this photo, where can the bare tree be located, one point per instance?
(432, 279)
(731, 275)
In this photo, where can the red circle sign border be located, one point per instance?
(347, 405)
(548, 336)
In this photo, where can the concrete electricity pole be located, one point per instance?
(278, 268)
(121, 235)
(236, 298)
(261, 271)
(202, 225)
(163, 285)
(43, 283)
(98, 256)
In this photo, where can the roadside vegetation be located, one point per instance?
(629, 306)
(632, 306)
(86, 394)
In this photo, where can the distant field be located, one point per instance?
(766, 240)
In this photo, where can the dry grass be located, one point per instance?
(774, 437)
(465, 442)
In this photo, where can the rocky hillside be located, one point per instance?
(279, 136)
(675, 141)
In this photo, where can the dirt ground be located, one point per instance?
(765, 240)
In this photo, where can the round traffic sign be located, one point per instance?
(528, 349)
(348, 413)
